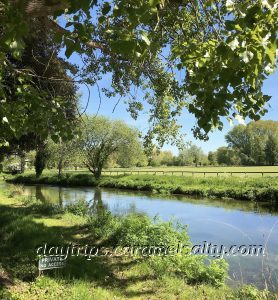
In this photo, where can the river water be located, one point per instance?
(220, 222)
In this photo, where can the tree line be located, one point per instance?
(104, 143)
(250, 145)
(254, 144)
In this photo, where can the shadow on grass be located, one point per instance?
(21, 235)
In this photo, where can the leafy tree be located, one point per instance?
(227, 156)
(212, 157)
(102, 138)
(144, 44)
(250, 141)
(191, 155)
(161, 158)
(239, 139)
(131, 153)
(40, 160)
(39, 96)
(63, 153)
(271, 150)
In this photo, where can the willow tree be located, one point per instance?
(101, 138)
(209, 57)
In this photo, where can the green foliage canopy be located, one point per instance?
(38, 96)
(251, 142)
(221, 50)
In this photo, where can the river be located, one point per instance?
(220, 222)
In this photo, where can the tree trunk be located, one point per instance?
(40, 161)
(60, 166)
(97, 173)
(22, 162)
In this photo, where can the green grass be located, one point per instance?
(211, 171)
(257, 189)
(210, 168)
(246, 171)
(22, 229)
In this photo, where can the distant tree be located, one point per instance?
(250, 141)
(212, 157)
(101, 138)
(271, 150)
(238, 139)
(63, 153)
(191, 155)
(131, 153)
(167, 158)
(226, 156)
(161, 158)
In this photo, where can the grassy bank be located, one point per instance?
(259, 189)
(25, 225)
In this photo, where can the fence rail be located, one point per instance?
(118, 172)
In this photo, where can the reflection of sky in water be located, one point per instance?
(206, 221)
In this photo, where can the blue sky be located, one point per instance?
(216, 139)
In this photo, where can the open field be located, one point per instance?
(242, 171)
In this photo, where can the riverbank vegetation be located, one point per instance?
(256, 189)
(27, 223)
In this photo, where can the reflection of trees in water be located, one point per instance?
(39, 195)
(49, 195)
(97, 205)
(271, 207)
(59, 195)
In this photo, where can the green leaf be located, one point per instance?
(106, 8)
(153, 2)
(70, 48)
(123, 46)
(55, 138)
(145, 38)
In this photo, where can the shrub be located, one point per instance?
(194, 269)
(251, 293)
(80, 208)
(139, 231)
(103, 225)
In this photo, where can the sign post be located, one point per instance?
(51, 262)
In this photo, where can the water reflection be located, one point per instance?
(63, 196)
(97, 206)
